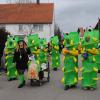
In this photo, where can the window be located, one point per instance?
(41, 27)
(2, 26)
(38, 27)
(20, 27)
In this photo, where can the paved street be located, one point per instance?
(49, 91)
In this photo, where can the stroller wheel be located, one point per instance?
(39, 83)
(31, 82)
(48, 78)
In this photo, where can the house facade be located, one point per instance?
(24, 19)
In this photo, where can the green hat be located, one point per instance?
(33, 40)
(54, 40)
(91, 39)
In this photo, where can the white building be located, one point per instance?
(23, 19)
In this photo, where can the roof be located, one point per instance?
(97, 25)
(26, 13)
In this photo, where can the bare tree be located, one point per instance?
(57, 32)
(21, 1)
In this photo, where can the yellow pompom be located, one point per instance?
(35, 48)
(33, 41)
(14, 44)
(6, 64)
(94, 59)
(83, 50)
(74, 49)
(63, 69)
(8, 73)
(75, 60)
(81, 69)
(6, 57)
(16, 73)
(37, 55)
(94, 39)
(80, 78)
(71, 43)
(82, 59)
(6, 44)
(96, 79)
(95, 69)
(63, 42)
(76, 69)
(62, 80)
(63, 58)
(57, 63)
(75, 80)
(57, 57)
(38, 62)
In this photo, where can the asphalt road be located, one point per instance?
(53, 90)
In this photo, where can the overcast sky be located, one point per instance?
(71, 14)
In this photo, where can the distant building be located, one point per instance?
(81, 31)
(97, 26)
(31, 18)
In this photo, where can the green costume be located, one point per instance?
(98, 55)
(89, 67)
(55, 52)
(98, 60)
(33, 44)
(11, 68)
(70, 59)
(43, 51)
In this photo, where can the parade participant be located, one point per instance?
(43, 51)
(21, 59)
(89, 67)
(70, 59)
(55, 55)
(3, 39)
(98, 59)
(9, 53)
(33, 44)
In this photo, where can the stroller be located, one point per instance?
(38, 73)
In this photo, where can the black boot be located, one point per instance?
(66, 87)
(55, 69)
(22, 85)
(73, 86)
(98, 71)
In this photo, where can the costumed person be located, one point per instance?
(98, 55)
(55, 54)
(43, 51)
(33, 44)
(70, 59)
(21, 58)
(9, 54)
(33, 71)
(43, 56)
(98, 58)
(89, 67)
(3, 39)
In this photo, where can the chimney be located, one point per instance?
(38, 1)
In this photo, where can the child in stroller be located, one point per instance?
(38, 73)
